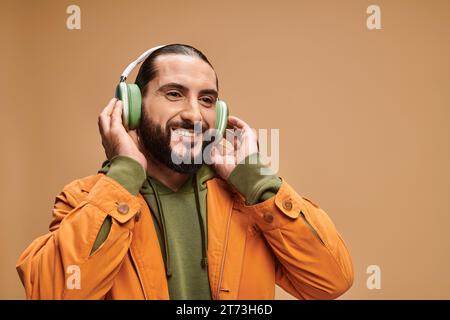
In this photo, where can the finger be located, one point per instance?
(103, 125)
(109, 107)
(116, 116)
(219, 155)
(226, 147)
(236, 143)
(230, 134)
(239, 123)
(213, 153)
(104, 117)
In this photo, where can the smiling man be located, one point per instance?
(146, 227)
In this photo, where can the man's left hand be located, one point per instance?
(234, 147)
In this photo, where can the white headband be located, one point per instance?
(141, 58)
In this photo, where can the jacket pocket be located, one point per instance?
(311, 228)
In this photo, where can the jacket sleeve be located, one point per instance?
(62, 264)
(312, 259)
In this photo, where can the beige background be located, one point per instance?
(363, 115)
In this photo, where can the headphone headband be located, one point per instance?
(141, 58)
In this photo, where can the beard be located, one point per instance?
(156, 141)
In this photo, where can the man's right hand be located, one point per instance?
(115, 139)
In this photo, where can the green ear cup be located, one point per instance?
(134, 106)
(122, 95)
(130, 95)
(221, 117)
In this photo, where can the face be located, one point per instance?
(179, 106)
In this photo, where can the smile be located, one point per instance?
(185, 132)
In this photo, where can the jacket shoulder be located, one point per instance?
(71, 196)
(82, 185)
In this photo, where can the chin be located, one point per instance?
(185, 151)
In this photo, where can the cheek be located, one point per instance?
(209, 116)
(157, 109)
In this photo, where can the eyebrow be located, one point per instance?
(185, 89)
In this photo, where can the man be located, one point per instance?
(146, 227)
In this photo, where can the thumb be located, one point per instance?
(116, 116)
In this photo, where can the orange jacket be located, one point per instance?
(285, 240)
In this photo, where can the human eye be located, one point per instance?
(173, 95)
(207, 101)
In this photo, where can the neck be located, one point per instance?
(170, 178)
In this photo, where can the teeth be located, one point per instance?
(184, 132)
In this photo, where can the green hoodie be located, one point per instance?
(181, 219)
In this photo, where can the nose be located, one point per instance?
(191, 111)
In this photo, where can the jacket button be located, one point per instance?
(123, 208)
(268, 217)
(287, 204)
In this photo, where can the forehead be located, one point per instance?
(192, 72)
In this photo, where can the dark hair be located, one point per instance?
(147, 71)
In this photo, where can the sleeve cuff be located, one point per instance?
(251, 183)
(127, 172)
(278, 211)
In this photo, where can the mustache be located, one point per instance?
(188, 125)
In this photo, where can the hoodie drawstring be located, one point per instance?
(204, 261)
(163, 229)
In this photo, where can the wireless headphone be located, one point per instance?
(131, 97)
